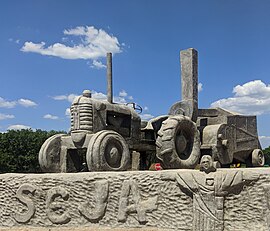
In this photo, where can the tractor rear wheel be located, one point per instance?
(107, 151)
(178, 143)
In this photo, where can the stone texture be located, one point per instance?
(80, 229)
(128, 200)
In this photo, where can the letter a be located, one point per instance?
(140, 206)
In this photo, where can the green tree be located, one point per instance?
(19, 150)
(266, 152)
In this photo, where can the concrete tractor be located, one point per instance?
(104, 134)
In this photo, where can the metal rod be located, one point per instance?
(109, 78)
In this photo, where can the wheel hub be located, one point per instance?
(113, 154)
(260, 158)
(181, 143)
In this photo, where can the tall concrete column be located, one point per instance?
(189, 75)
(188, 106)
(109, 78)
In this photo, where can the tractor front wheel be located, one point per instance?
(49, 156)
(107, 151)
(257, 158)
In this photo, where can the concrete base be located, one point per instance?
(229, 199)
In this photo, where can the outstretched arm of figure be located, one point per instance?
(184, 180)
(251, 176)
(232, 179)
(168, 176)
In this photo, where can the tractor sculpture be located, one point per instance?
(104, 134)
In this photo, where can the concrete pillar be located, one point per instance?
(109, 78)
(188, 106)
(189, 75)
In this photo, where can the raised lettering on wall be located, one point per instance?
(53, 206)
(21, 195)
(139, 206)
(101, 196)
(267, 197)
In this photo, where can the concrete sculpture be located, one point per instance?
(109, 132)
(208, 200)
(209, 191)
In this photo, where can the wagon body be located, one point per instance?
(227, 136)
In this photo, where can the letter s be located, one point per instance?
(24, 190)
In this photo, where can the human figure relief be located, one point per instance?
(208, 190)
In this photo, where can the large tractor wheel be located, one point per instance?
(49, 154)
(178, 143)
(107, 151)
(257, 158)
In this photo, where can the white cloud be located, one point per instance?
(69, 97)
(200, 87)
(26, 103)
(265, 141)
(94, 44)
(13, 40)
(98, 95)
(60, 97)
(51, 117)
(252, 88)
(250, 98)
(64, 39)
(97, 64)
(146, 116)
(5, 116)
(123, 93)
(120, 100)
(265, 137)
(18, 127)
(67, 112)
(11, 104)
(7, 104)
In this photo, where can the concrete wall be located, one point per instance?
(232, 199)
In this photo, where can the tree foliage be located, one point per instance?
(19, 150)
(266, 152)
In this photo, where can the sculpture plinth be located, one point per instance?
(228, 199)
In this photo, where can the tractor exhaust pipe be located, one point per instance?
(109, 78)
(189, 76)
(188, 106)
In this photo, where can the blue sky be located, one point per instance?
(51, 51)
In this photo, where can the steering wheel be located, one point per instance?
(136, 107)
